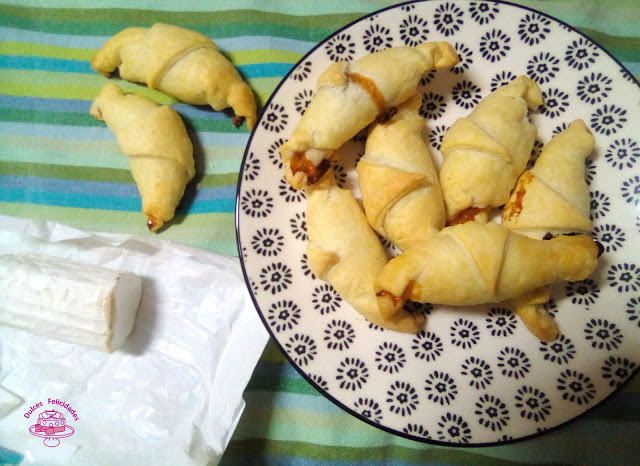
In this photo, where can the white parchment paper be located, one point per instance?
(172, 394)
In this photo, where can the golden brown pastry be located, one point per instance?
(471, 263)
(530, 308)
(553, 197)
(156, 142)
(485, 152)
(398, 182)
(351, 95)
(344, 251)
(550, 199)
(181, 63)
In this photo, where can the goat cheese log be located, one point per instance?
(181, 63)
(398, 182)
(344, 251)
(351, 95)
(472, 263)
(485, 152)
(156, 142)
(550, 199)
(78, 303)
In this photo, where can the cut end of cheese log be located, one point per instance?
(77, 303)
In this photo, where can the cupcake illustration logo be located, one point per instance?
(50, 424)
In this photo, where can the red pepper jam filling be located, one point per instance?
(466, 215)
(371, 88)
(300, 163)
(514, 209)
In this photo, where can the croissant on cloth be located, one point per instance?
(344, 251)
(398, 182)
(473, 263)
(485, 152)
(351, 95)
(182, 63)
(550, 199)
(157, 145)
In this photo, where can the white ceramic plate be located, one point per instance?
(473, 376)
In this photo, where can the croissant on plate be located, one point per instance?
(398, 182)
(550, 199)
(351, 95)
(157, 145)
(181, 63)
(485, 152)
(344, 251)
(473, 263)
(553, 197)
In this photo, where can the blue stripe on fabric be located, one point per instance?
(96, 133)
(19, 62)
(92, 201)
(63, 185)
(102, 188)
(264, 70)
(84, 201)
(33, 63)
(230, 44)
(295, 401)
(83, 106)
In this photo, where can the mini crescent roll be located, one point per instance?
(398, 182)
(485, 152)
(351, 95)
(553, 197)
(550, 199)
(344, 251)
(472, 263)
(156, 142)
(184, 64)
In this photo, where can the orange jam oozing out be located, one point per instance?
(398, 300)
(152, 223)
(466, 215)
(515, 208)
(300, 163)
(371, 88)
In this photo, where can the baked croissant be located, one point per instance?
(485, 152)
(553, 197)
(344, 251)
(156, 142)
(550, 199)
(351, 95)
(181, 63)
(472, 263)
(398, 182)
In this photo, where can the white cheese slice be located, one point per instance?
(78, 303)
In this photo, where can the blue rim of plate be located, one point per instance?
(274, 337)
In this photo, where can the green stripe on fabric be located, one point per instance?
(294, 7)
(300, 386)
(103, 174)
(413, 453)
(84, 119)
(78, 86)
(241, 57)
(103, 154)
(623, 48)
(232, 23)
(42, 50)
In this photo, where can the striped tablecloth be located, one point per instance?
(59, 163)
